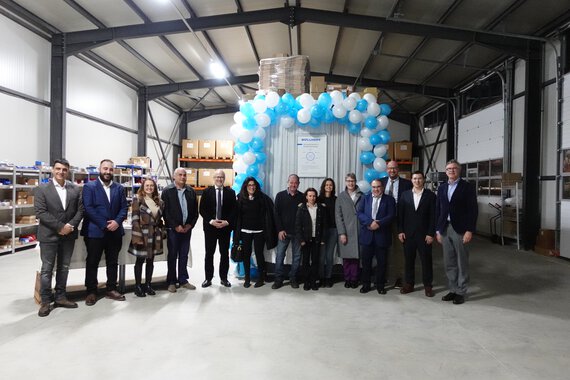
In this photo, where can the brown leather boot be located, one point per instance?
(45, 309)
(407, 288)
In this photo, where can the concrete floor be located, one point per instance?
(513, 326)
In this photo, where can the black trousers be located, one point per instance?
(111, 245)
(368, 252)
(221, 237)
(148, 272)
(257, 242)
(311, 258)
(411, 246)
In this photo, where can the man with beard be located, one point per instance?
(105, 206)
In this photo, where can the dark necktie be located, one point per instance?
(219, 204)
(391, 191)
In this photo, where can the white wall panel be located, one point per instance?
(215, 127)
(550, 60)
(480, 135)
(399, 131)
(519, 85)
(165, 121)
(92, 92)
(566, 112)
(24, 130)
(89, 142)
(24, 60)
(565, 229)
(518, 135)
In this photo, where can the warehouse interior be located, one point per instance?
(484, 82)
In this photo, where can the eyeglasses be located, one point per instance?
(251, 185)
(451, 169)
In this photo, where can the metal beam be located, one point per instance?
(197, 115)
(165, 89)
(57, 98)
(142, 122)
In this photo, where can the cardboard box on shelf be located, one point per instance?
(190, 148)
(390, 151)
(402, 151)
(22, 194)
(224, 149)
(145, 162)
(406, 175)
(205, 177)
(32, 181)
(318, 84)
(229, 177)
(26, 219)
(207, 149)
(191, 177)
(509, 179)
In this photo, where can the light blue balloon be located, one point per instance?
(329, 117)
(260, 157)
(314, 122)
(361, 105)
(281, 107)
(385, 136)
(345, 120)
(252, 170)
(353, 129)
(367, 158)
(240, 147)
(239, 179)
(317, 111)
(249, 123)
(371, 174)
(260, 183)
(385, 109)
(325, 100)
(247, 110)
(236, 187)
(259, 97)
(272, 115)
(375, 139)
(288, 99)
(371, 122)
(257, 144)
(382, 174)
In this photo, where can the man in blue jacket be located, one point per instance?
(456, 219)
(105, 205)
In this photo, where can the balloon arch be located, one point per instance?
(360, 115)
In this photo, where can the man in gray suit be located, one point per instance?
(59, 209)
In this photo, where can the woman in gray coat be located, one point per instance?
(347, 226)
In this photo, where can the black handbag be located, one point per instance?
(236, 253)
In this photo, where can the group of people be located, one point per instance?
(397, 215)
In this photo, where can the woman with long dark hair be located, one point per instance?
(255, 227)
(327, 196)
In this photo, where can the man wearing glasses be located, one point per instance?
(456, 219)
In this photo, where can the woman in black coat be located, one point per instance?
(255, 227)
(309, 229)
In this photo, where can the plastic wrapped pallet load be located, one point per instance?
(292, 74)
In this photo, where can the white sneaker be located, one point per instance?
(188, 286)
(172, 288)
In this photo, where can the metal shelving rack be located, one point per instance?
(511, 213)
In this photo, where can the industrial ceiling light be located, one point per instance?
(218, 70)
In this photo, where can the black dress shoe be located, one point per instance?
(306, 286)
(226, 283)
(139, 292)
(91, 299)
(206, 283)
(149, 290)
(458, 300)
(315, 287)
(259, 284)
(382, 291)
(329, 283)
(354, 284)
(294, 284)
(65, 303)
(277, 285)
(347, 284)
(448, 297)
(398, 283)
(365, 289)
(247, 284)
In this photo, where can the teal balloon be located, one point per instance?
(353, 129)
(281, 107)
(382, 174)
(239, 179)
(288, 99)
(367, 158)
(361, 105)
(371, 174)
(240, 147)
(247, 110)
(314, 122)
(329, 117)
(272, 115)
(317, 111)
(345, 120)
(371, 122)
(259, 97)
(375, 139)
(385, 136)
(252, 170)
(236, 187)
(260, 157)
(385, 109)
(257, 144)
(249, 123)
(325, 100)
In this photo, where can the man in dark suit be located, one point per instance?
(59, 209)
(106, 207)
(394, 185)
(180, 216)
(456, 219)
(375, 213)
(217, 207)
(416, 230)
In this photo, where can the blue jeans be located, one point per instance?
(280, 257)
(328, 253)
(178, 246)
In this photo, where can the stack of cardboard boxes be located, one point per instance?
(207, 150)
(291, 74)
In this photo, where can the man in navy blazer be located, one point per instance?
(105, 205)
(394, 185)
(456, 219)
(375, 213)
(59, 209)
(416, 230)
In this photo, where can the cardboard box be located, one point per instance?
(402, 151)
(546, 239)
(546, 251)
(229, 177)
(191, 177)
(390, 151)
(370, 90)
(510, 229)
(318, 84)
(32, 181)
(509, 179)
(206, 177)
(224, 149)
(406, 175)
(26, 219)
(21, 194)
(145, 162)
(190, 148)
(207, 149)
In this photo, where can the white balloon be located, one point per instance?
(380, 149)
(355, 96)
(364, 144)
(259, 106)
(363, 186)
(239, 166)
(271, 99)
(383, 122)
(260, 133)
(365, 132)
(239, 117)
(373, 109)
(339, 111)
(349, 103)
(262, 119)
(336, 97)
(248, 158)
(304, 115)
(235, 130)
(369, 98)
(306, 100)
(379, 164)
(286, 121)
(245, 136)
(355, 116)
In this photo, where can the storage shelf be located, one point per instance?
(206, 160)
(25, 225)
